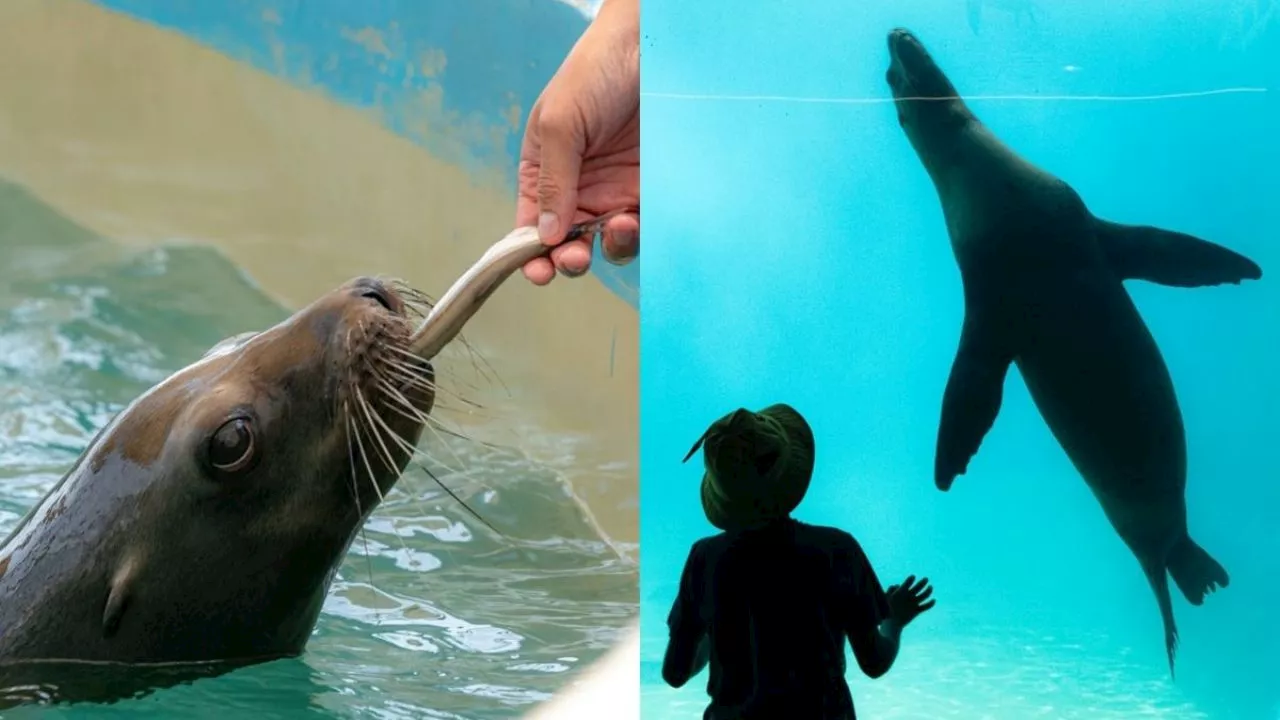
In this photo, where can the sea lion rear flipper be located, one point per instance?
(1139, 252)
(1159, 579)
(971, 401)
(1195, 571)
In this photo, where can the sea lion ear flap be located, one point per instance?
(118, 597)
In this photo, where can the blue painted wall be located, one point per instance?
(498, 55)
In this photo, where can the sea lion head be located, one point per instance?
(208, 519)
(926, 100)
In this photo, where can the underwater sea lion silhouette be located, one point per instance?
(1043, 289)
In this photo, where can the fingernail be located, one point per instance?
(620, 247)
(548, 224)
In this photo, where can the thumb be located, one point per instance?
(561, 160)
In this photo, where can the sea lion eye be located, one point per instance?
(231, 447)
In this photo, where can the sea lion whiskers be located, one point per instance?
(355, 496)
(455, 395)
(395, 375)
(351, 461)
(400, 405)
(436, 431)
(459, 500)
(476, 361)
(481, 365)
(405, 371)
(435, 424)
(416, 452)
(395, 372)
(376, 427)
(363, 405)
(345, 409)
(354, 427)
(364, 420)
(373, 431)
(478, 366)
(420, 303)
(364, 536)
(409, 293)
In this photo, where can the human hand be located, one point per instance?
(581, 152)
(908, 600)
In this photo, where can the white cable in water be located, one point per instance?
(966, 98)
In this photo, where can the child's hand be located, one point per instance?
(908, 600)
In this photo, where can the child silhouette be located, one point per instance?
(769, 601)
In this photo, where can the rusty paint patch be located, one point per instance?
(4, 567)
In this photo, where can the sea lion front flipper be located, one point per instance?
(972, 398)
(1139, 252)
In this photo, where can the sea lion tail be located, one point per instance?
(1195, 571)
(1159, 579)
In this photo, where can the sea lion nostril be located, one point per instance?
(377, 294)
(373, 289)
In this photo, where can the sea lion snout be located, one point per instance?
(368, 313)
(913, 72)
(909, 64)
(926, 101)
(900, 36)
(370, 335)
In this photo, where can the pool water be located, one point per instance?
(432, 614)
(803, 258)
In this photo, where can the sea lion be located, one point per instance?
(1043, 289)
(201, 528)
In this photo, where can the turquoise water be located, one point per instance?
(801, 257)
(432, 615)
